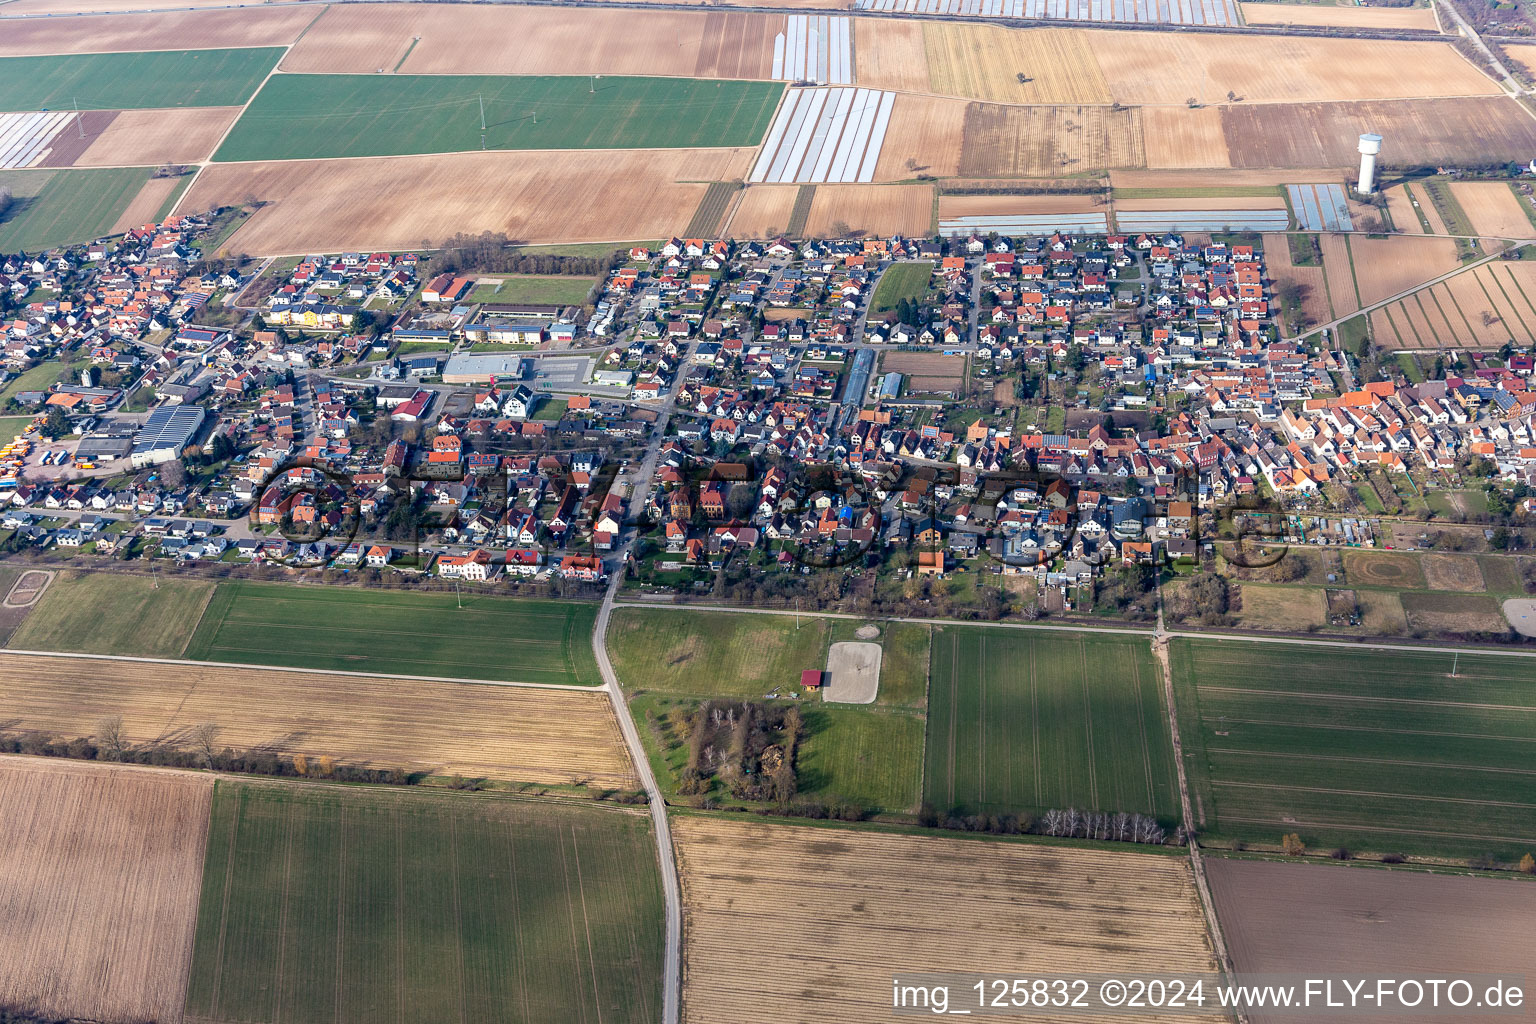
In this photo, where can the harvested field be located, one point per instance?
(1475, 130)
(1382, 569)
(1282, 608)
(1454, 614)
(398, 203)
(1338, 267)
(705, 222)
(983, 62)
(872, 209)
(1334, 919)
(155, 194)
(1021, 206)
(1143, 203)
(1270, 69)
(925, 136)
(928, 370)
(762, 211)
(1315, 307)
(149, 138)
(1023, 142)
(865, 906)
(1523, 53)
(1484, 307)
(507, 40)
(117, 33)
(515, 734)
(323, 903)
(1257, 178)
(1387, 266)
(99, 880)
(1493, 208)
(1404, 214)
(1180, 137)
(1327, 16)
(890, 54)
(1452, 572)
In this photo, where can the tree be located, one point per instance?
(1527, 865)
(110, 739)
(5, 198)
(326, 765)
(301, 764)
(1292, 845)
(203, 737)
(174, 474)
(57, 423)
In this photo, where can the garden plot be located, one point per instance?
(826, 135)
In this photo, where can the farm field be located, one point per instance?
(891, 53)
(908, 281)
(1494, 208)
(1177, 137)
(503, 40)
(251, 26)
(713, 654)
(983, 62)
(117, 81)
(99, 880)
(1301, 917)
(926, 371)
(863, 906)
(1486, 306)
(869, 757)
(152, 137)
(298, 117)
(924, 137)
(1386, 266)
(1382, 569)
(510, 734)
(57, 207)
(1382, 751)
(1023, 142)
(392, 631)
(1329, 16)
(1315, 305)
(367, 905)
(1428, 131)
(872, 209)
(1028, 722)
(106, 613)
(553, 196)
(762, 211)
(152, 197)
(551, 289)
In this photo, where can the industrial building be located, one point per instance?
(166, 433)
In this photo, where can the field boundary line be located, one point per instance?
(1374, 760)
(586, 923)
(201, 612)
(1370, 700)
(1093, 775)
(1375, 794)
(1389, 732)
(300, 671)
(1344, 827)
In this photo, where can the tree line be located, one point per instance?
(494, 252)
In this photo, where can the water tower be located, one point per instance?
(1370, 146)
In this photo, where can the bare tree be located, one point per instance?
(203, 737)
(109, 737)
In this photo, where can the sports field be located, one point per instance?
(301, 116)
(364, 905)
(106, 613)
(119, 81)
(714, 654)
(1381, 751)
(1028, 721)
(394, 632)
(59, 207)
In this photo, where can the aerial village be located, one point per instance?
(1054, 407)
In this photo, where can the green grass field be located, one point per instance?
(1372, 750)
(550, 289)
(330, 904)
(901, 281)
(713, 654)
(870, 757)
(398, 632)
(1027, 721)
(301, 116)
(121, 81)
(60, 207)
(107, 613)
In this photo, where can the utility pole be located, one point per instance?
(79, 124)
(593, 89)
(1455, 659)
(456, 595)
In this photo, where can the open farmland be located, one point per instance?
(879, 210)
(983, 62)
(60, 207)
(1023, 142)
(1429, 131)
(1386, 266)
(99, 880)
(552, 196)
(1180, 137)
(762, 211)
(152, 137)
(890, 53)
(322, 904)
(523, 641)
(1385, 751)
(1027, 722)
(250, 26)
(1264, 69)
(1494, 208)
(155, 195)
(852, 908)
(511, 734)
(1280, 918)
(118, 81)
(506, 40)
(106, 613)
(1315, 307)
(713, 654)
(1331, 16)
(1486, 306)
(924, 137)
(297, 117)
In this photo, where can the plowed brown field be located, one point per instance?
(763, 211)
(1325, 16)
(501, 732)
(851, 909)
(1386, 266)
(1420, 132)
(925, 137)
(147, 138)
(1024, 142)
(100, 873)
(146, 204)
(984, 62)
(1314, 304)
(401, 202)
(1180, 137)
(1341, 279)
(890, 54)
(871, 209)
(1494, 208)
(170, 30)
